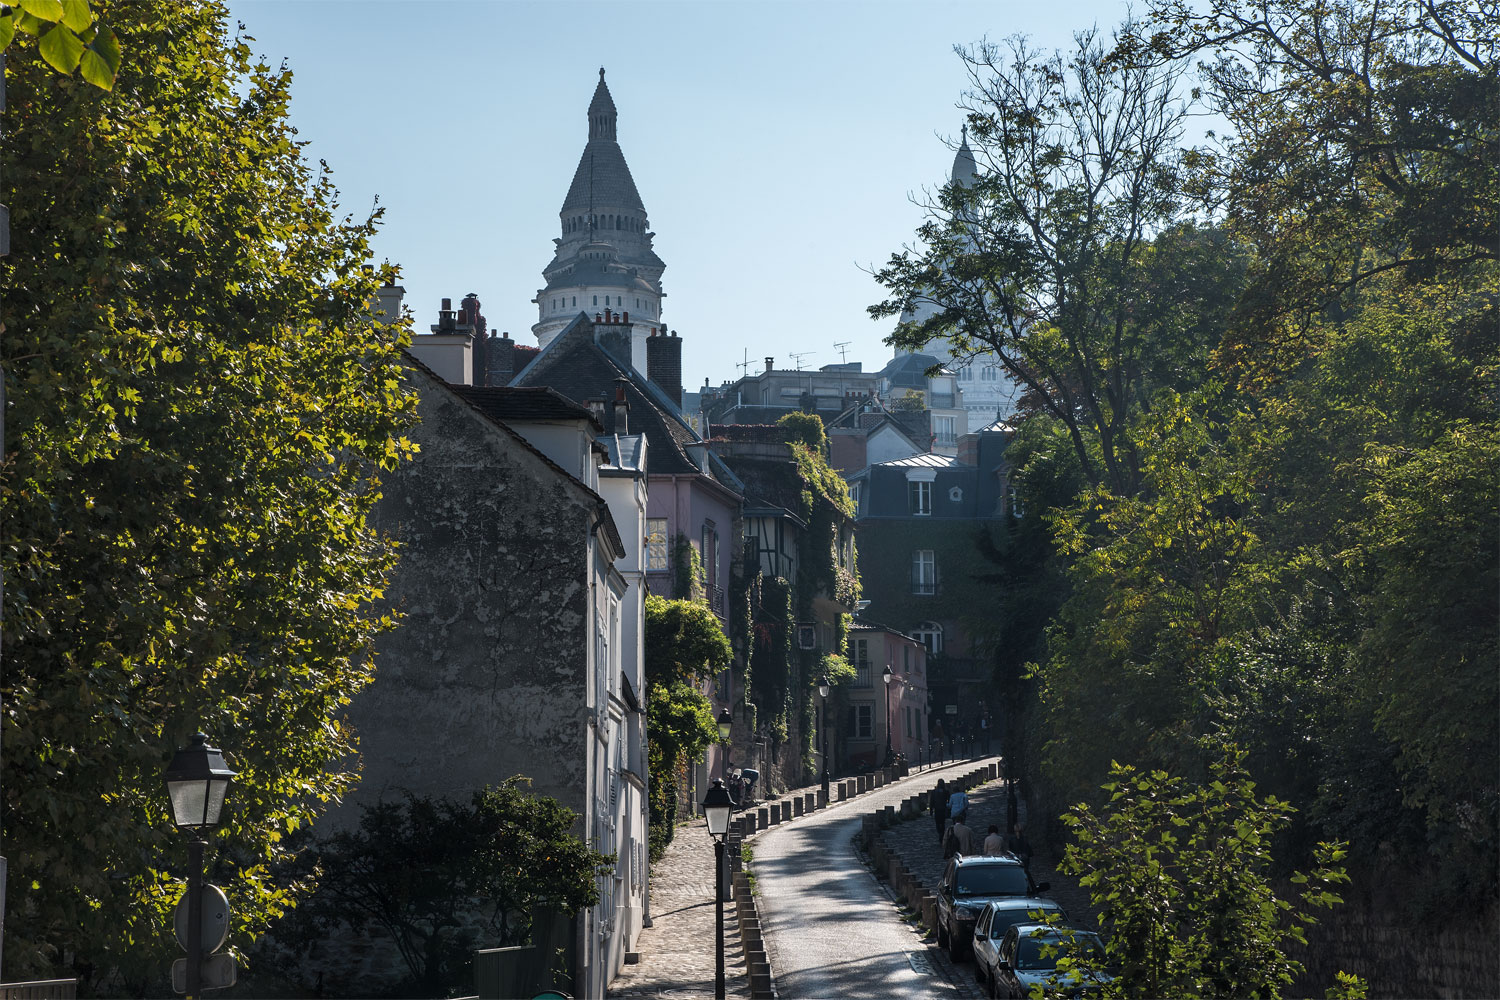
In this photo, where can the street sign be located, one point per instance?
(952, 710)
(219, 973)
(214, 925)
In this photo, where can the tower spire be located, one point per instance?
(602, 115)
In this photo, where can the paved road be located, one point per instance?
(830, 928)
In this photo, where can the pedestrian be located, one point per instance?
(937, 801)
(964, 837)
(937, 736)
(994, 844)
(1020, 846)
(958, 806)
(984, 732)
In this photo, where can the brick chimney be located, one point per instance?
(500, 359)
(664, 364)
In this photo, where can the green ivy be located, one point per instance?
(687, 566)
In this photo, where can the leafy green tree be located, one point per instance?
(443, 878)
(198, 408)
(1181, 875)
(1072, 255)
(684, 646)
(68, 38)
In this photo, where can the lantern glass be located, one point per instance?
(717, 805)
(197, 781)
(823, 686)
(888, 675)
(726, 723)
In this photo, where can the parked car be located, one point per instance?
(969, 883)
(995, 919)
(1024, 962)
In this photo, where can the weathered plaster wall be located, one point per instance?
(486, 676)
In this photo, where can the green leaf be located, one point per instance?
(76, 14)
(7, 31)
(61, 49)
(47, 10)
(95, 70)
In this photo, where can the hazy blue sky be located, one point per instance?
(775, 145)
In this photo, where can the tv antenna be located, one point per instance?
(798, 357)
(843, 348)
(744, 366)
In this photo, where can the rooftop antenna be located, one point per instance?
(798, 357)
(843, 348)
(744, 366)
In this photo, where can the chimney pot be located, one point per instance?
(770, 363)
(447, 304)
(627, 317)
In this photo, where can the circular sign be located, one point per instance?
(213, 924)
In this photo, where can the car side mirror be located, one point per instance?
(1043, 886)
(1003, 964)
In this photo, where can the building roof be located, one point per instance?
(964, 170)
(602, 179)
(575, 365)
(909, 369)
(926, 459)
(521, 403)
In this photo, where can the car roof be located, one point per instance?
(1024, 903)
(986, 859)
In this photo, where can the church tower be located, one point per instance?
(604, 265)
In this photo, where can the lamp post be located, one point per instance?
(823, 690)
(726, 723)
(716, 808)
(887, 676)
(196, 780)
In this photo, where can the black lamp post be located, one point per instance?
(197, 779)
(823, 689)
(887, 676)
(717, 806)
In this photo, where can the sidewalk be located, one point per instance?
(677, 951)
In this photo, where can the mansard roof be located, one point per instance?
(526, 403)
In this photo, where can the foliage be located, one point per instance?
(1181, 876)
(689, 582)
(684, 642)
(443, 878)
(684, 645)
(680, 726)
(806, 429)
(197, 409)
(1072, 256)
(68, 37)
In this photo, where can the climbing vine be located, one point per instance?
(687, 567)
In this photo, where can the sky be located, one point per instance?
(777, 145)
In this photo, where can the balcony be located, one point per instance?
(922, 584)
(716, 600)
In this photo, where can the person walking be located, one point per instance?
(958, 805)
(963, 837)
(937, 801)
(994, 844)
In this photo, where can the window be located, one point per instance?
(596, 300)
(956, 495)
(966, 374)
(946, 429)
(861, 663)
(989, 373)
(929, 634)
(920, 495)
(575, 300)
(864, 722)
(924, 572)
(656, 543)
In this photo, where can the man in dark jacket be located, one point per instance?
(937, 801)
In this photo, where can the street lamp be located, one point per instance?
(717, 806)
(823, 690)
(887, 676)
(196, 779)
(726, 723)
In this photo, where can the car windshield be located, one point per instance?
(991, 880)
(1029, 952)
(1009, 914)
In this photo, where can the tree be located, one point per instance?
(1181, 876)
(68, 38)
(1072, 255)
(198, 409)
(685, 645)
(443, 878)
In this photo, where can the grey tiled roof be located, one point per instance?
(602, 166)
(525, 403)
